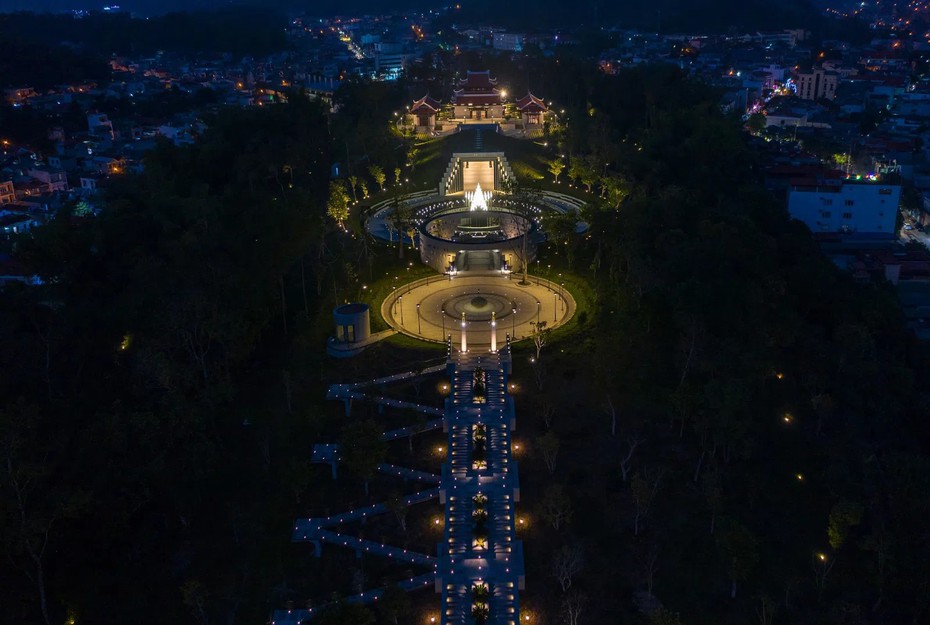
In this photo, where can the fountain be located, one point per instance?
(478, 199)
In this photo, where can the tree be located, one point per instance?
(756, 123)
(844, 516)
(364, 187)
(556, 506)
(566, 564)
(562, 231)
(337, 206)
(632, 442)
(548, 446)
(401, 217)
(713, 495)
(541, 335)
(573, 605)
(583, 170)
(363, 449)
(616, 190)
(397, 172)
(377, 174)
(739, 550)
(395, 604)
(664, 616)
(342, 613)
(353, 184)
(398, 506)
(34, 495)
(546, 409)
(643, 489)
(556, 167)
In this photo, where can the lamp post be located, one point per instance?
(401, 298)
(561, 296)
(493, 332)
(513, 322)
(442, 316)
(418, 319)
(464, 342)
(538, 306)
(555, 305)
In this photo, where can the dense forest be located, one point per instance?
(738, 425)
(133, 487)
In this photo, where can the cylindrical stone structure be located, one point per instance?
(353, 324)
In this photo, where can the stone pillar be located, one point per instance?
(493, 332)
(464, 342)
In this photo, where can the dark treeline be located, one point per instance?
(42, 66)
(238, 30)
(135, 482)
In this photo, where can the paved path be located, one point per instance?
(471, 556)
(429, 311)
(404, 432)
(295, 617)
(305, 528)
(479, 479)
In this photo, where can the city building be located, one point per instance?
(845, 208)
(817, 84)
(7, 192)
(511, 42)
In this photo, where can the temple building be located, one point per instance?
(422, 114)
(478, 98)
(532, 111)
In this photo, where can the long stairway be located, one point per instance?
(480, 565)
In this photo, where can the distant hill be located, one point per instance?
(666, 15)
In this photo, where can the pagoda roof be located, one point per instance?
(531, 104)
(427, 103)
(478, 81)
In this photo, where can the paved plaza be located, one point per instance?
(432, 308)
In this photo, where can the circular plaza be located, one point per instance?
(433, 308)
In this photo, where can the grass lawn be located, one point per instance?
(390, 272)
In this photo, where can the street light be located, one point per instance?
(418, 318)
(538, 306)
(513, 325)
(443, 317)
(555, 306)
(401, 309)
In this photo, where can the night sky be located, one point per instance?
(162, 6)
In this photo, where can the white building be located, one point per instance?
(512, 42)
(847, 209)
(817, 84)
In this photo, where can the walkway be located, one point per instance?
(479, 566)
(432, 311)
(479, 488)
(295, 617)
